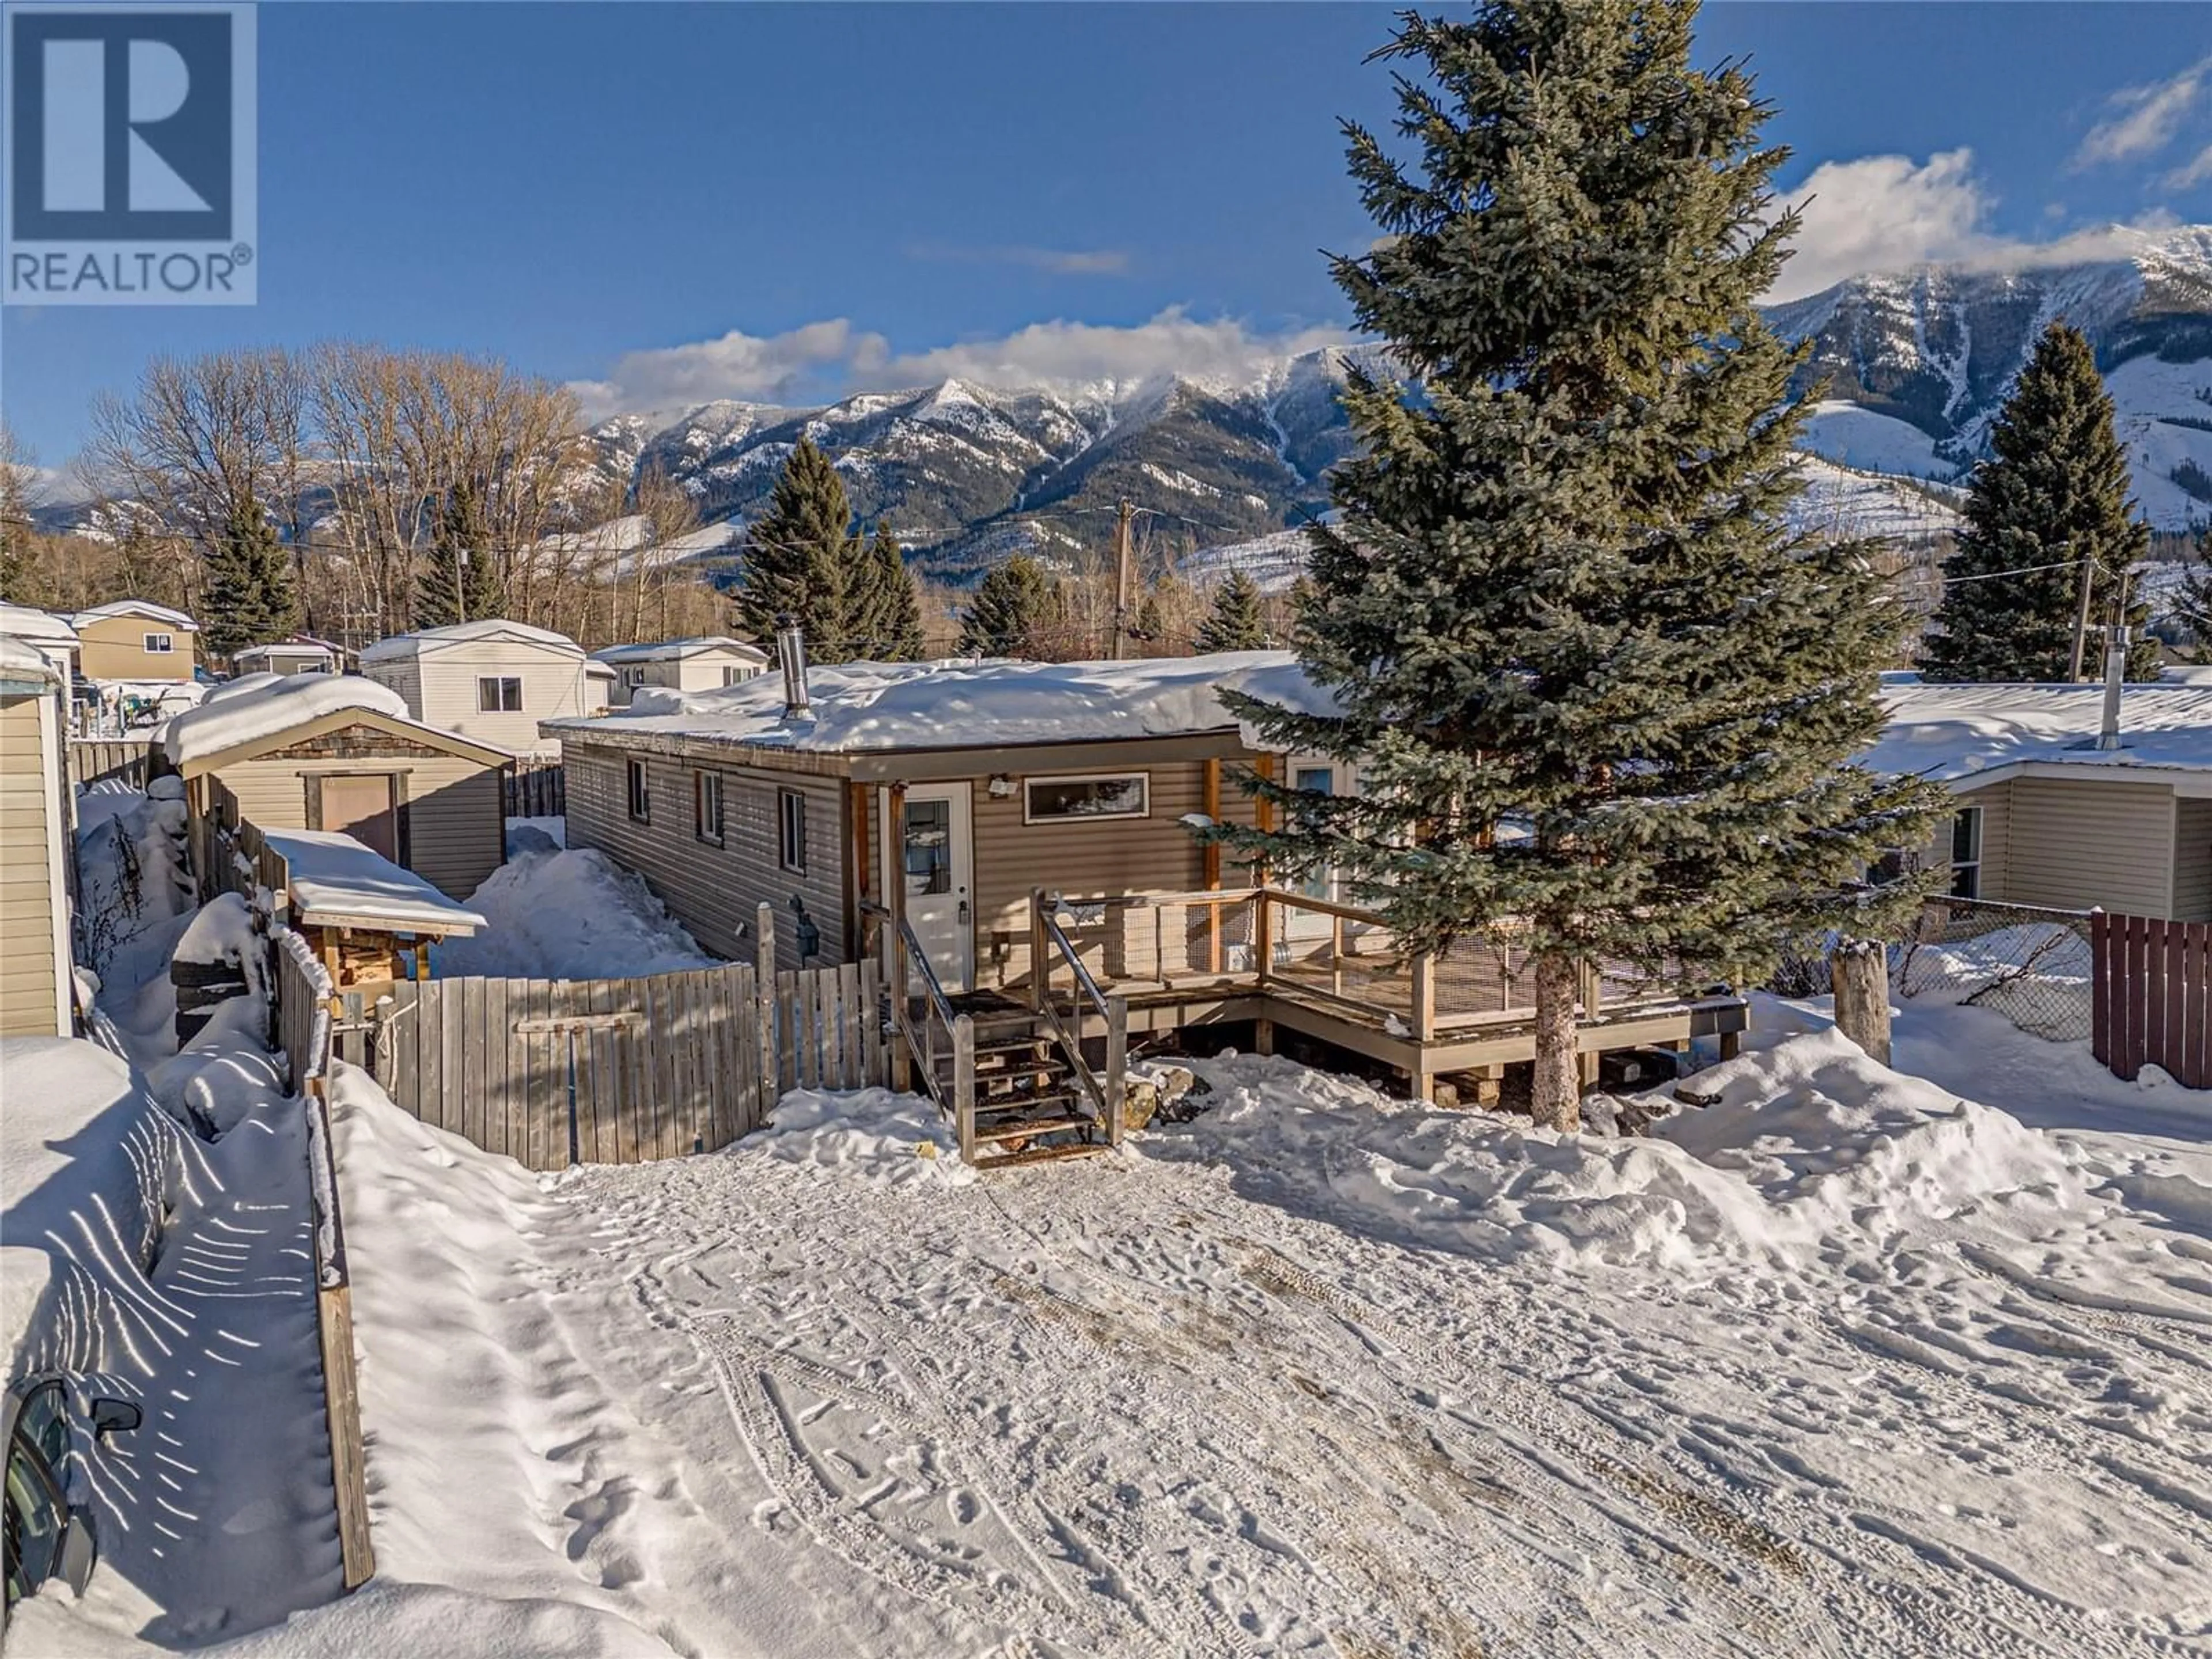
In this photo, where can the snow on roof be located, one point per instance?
(297, 643)
(147, 608)
(331, 874)
(21, 660)
(439, 639)
(670, 650)
(258, 706)
(1947, 733)
(40, 627)
(966, 704)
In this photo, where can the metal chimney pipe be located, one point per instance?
(791, 647)
(2116, 675)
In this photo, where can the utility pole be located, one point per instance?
(2080, 619)
(1122, 514)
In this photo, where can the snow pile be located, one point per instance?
(869, 1136)
(328, 873)
(536, 835)
(87, 1171)
(959, 704)
(553, 914)
(262, 705)
(135, 885)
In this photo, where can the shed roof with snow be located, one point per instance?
(152, 612)
(1968, 736)
(674, 650)
(40, 628)
(244, 716)
(333, 881)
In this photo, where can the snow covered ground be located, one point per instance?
(1842, 1364)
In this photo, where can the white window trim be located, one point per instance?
(702, 780)
(641, 796)
(499, 699)
(167, 647)
(1029, 814)
(1980, 857)
(785, 799)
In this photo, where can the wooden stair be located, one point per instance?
(1030, 1106)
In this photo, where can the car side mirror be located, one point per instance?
(115, 1416)
(80, 1550)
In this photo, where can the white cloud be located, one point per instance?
(2145, 118)
(1887, 212)
(737, 365)
(2192, 173)
(823, 361)
(1059, 262)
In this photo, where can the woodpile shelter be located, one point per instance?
(1016, 840)
(340, 754)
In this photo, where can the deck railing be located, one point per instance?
(931, 1030)
(1049, 949)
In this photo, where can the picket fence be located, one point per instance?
(2151, 996)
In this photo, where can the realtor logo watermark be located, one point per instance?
(130, 155)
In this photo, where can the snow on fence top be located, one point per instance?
(427, 640)
(262, 705)
(873, 706)
(331, 875)
(1950, 732)
(160, 613)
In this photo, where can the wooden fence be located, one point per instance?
(552, 1072)
(125, 762)
(303, 1031)
(537, 789)
(2151, 996)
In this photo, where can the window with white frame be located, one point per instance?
(159, 644)
(632, 678)
(707, 806)
(735, 676)
(314, 665)
(790, 830)
(499, 694)
(1103, 795)
(1967, 852)
(641, 793)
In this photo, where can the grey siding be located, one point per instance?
(456, 828)
(28, 1003)
(2075, 844)
(714, 890)
(2192, 859)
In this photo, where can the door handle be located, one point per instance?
(963, 912)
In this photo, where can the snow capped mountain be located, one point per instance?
(1919, 362)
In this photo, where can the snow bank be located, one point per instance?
(135, 887)
(959, 704)
(262, 705)
(872, 1136)
(87, 1170)
(550, 914)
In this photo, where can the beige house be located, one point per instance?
(969, 821)
(300, 654)
(35, 984)
(134, 639)
(340, 753)
(707, 664)
(2045, 816)
(492, 681)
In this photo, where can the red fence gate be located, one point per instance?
(2151, 996)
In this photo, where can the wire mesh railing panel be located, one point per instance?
(2030, 963)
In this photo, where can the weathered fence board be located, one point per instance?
(122, 763)
(536, 790)
(2151, 997)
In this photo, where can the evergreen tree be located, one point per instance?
(2193, 604)
(248, 599)
(1010, 602)
(2054, 490)
(452, 588)
(1603, 700)
(804, 559)
(1235, 622)
(893, 624)
(1152, 625)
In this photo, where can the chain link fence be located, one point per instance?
(2030, 963)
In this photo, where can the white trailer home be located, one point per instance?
(492, 681)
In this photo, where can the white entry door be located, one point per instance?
(936, 861)
(1328, 777)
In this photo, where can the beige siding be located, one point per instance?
(114, 648)
(702, 672)
(2075, 844)
(1996, 802)
(28, 1003)
(2192, 859)
(439, 687)
(714, 890)
(456, 829)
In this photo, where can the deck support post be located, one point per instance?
(1117, 1065)
(1731, 1044)
(963, 1084)
(1488, 1082)
(1424, 1010)
(1040, 960)
(1263, 1036)
(893, 803)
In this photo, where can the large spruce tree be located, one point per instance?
(1235, 622)
(1010, 603)
(2053, 492)
(893, 622)
(459, 580)
(1603, 700)
(248, 599)
(804, 559)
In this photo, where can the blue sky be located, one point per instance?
(664, 203)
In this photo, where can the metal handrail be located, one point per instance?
(1084, 983)
(1105, 1092)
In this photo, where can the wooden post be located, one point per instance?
(963, 1084)
(1263, 935)
(1423, 1020)
(1117, 1054)
(1858, 972)
(1040, 953)
(856, 884)
(764, 1032)
(1209, 866)
(1336, 953)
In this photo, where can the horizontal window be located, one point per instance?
(1115, 795)
(499, 695)
(159, 644)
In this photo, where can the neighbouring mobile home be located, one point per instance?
(493, 681)
(134, 640)
(706, 664)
